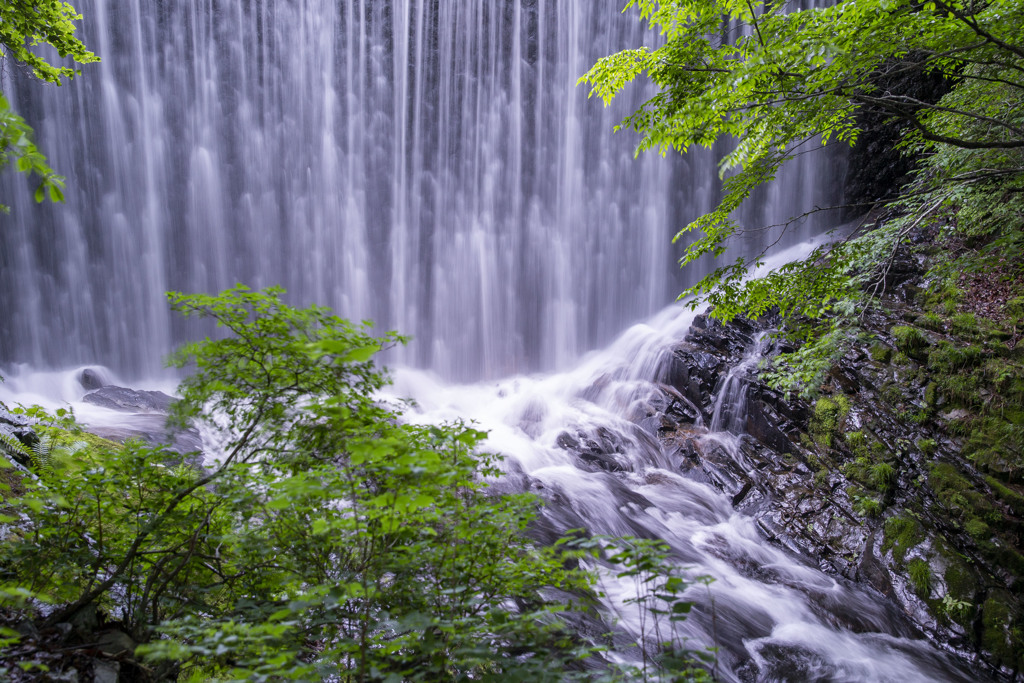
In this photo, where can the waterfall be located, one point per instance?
(428, 164)
(730, 411)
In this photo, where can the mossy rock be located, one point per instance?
(1007, 495)
(947, 357)
(827, 419)
(1014, 309)
(900, 534)
(910, 341)
(966, 325)
(931, 321)
(880, 353)
(978, 530)
(1001, 634)
(960, 581)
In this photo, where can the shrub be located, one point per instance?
(331, 540)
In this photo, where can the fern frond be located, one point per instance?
(11, 446)
(42, 453)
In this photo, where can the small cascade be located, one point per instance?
(598, 445)
(730, 413)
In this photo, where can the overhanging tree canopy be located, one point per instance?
(777, 79)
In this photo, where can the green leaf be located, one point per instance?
(360, 355)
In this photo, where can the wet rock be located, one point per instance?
(130, 400)
(91, 379)
(17, 427)
(598, 453)
(116, 642)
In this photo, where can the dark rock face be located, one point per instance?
(147, 420)
(91, 379)
(876, 167)
(17, 426)
(864, 494)
(594, 452)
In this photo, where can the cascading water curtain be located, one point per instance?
(429, 164)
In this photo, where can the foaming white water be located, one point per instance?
(773, 616)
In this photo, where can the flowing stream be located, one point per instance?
(774, 616)
(432, 165)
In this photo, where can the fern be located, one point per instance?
(10, 445)
(42, 453)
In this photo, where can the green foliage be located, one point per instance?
(804, 370)
(330, 541)
(26, 25)
(23, 27)
(864, 504)
(909, 340)
(11, 446)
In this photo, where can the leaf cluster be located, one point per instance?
(27, 24)
(28, 28)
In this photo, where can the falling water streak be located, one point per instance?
(730, 406)
(428, 164)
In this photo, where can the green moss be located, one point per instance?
(910, 341)
(947, 357)
(960, 581)
(977, 529)
(882, 476)
(1014, 309)
(926, 446)
(996, 444)
(931, 394)
(998, 635)
(858, 443)
(1007, 495)
(900, 534)
(966, 324)
(920, 574)
(867, 506)
(961, 390)
(827, 419)
(956, 492)
(880, 353)
(891, 393)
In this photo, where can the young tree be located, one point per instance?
(26, 25)
(776, 80)
(330, 541)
